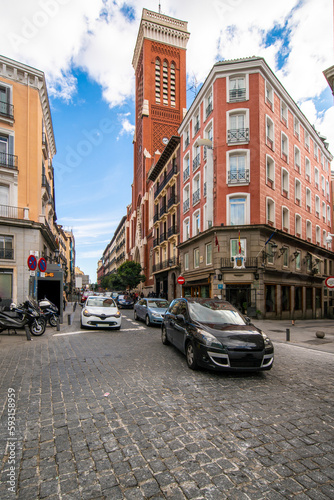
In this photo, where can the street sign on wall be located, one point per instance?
(32, 262)
(329, 282)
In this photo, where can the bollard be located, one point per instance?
(69, 319)
(74, 306)
(58, 325)
(26, 327)
(288, 334)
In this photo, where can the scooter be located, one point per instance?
(18, 317)
(49, 311)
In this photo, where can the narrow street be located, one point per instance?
(116, 414)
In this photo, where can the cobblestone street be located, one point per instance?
(113, 415)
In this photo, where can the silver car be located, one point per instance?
(151, 310)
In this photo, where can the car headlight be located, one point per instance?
(267, 341)
(156, 315)
(117, 315)
(208, 339)
(85, 312)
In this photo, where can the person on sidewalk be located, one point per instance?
(64, 300)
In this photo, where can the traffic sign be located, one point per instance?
(181, 280)
(42, 265)
(32, 262)
(329, 282)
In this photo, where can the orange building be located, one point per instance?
(27, 203)
(159, 62)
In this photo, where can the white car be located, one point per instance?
(100, 312)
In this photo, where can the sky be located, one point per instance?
(85, 49)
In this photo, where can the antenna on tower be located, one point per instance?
(159, 8)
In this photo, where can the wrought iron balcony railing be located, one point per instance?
(7, 160)
(186, 205)
(196, 162)
(186, 174)
(196, 196)
(6, 109)
(238, 135)
(238, 176)
(238, 94)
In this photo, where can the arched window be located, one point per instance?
(172, 85)
(165, 83)
(157, 81)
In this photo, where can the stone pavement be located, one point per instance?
(302, 333)
(117, 415)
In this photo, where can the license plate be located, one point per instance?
(100, 324)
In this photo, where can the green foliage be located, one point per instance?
(128, 275)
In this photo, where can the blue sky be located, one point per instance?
(85, 49)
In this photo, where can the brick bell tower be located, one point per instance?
(159, 62)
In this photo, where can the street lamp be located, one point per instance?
(329, 238)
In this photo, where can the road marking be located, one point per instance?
(92, 330)
(66, 333)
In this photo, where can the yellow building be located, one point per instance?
(27, 203)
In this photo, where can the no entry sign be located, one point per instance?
(329, 282)
(181, 280)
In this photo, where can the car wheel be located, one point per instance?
(147, 320)
(136, 316)
(164, 338)
(191, 356)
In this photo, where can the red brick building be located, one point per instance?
(159, 62)
(266, 176)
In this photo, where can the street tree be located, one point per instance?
(130, 274)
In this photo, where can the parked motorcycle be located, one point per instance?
(27, 313)
(49, 310)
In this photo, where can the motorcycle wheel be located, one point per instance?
(53, 320)
(38, 326)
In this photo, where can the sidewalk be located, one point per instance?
(303, 333)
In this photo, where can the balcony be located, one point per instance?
(163, 210)
(196, 162)
(172, 201)
(165, 264)
(173, 171)
(7, 110)
(44, 145)
(186, 205)
(9, 161)
(196, 196)
(46, 185)
(238, 176)
(237, 95)
(238, 135)
(204, 189)
(186, 143)
(228, 263)
(172, 231)
(163, 237)
(14, 212)
(186, 174)
(208, 110)
(196, 128)
(156, 217)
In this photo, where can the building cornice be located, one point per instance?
(329, 75)
(31, 77)
(160, 28)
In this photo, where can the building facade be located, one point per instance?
(27, 198)
(159, 62)
(164, 196)
(115, 252)
(255, 196)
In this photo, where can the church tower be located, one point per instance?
(159, 62)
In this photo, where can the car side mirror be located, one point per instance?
(248, 320)
(181, 317)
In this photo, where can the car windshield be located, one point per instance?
(158, 304)
(215, 312)
(100, 302)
